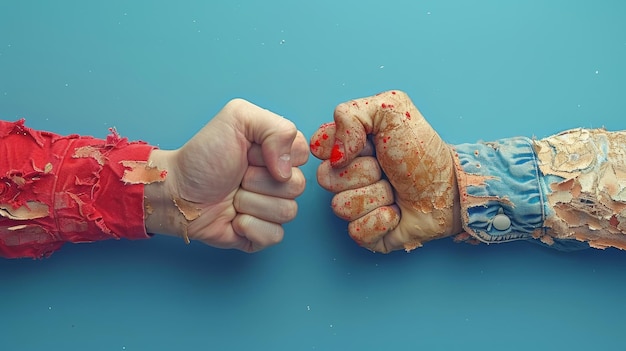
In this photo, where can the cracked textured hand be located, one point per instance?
(417, 198)
(234, 183)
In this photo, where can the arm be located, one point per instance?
(565, 191)
(58, 189)
(232, 185)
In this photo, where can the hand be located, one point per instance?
(417, 200)
(234, 183)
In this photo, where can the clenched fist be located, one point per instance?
(393, 176)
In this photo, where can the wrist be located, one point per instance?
(160, 214)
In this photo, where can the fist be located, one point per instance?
(392, 175)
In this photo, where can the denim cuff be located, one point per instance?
(503, 193)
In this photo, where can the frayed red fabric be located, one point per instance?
(56, 189)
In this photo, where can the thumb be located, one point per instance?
(276, 148)
(274, 133)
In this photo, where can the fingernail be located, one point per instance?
(284, 165)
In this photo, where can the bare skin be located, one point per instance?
(233, 184)
(407, 195)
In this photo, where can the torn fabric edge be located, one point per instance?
(57, 189)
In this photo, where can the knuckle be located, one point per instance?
(297, 183)
(286, 211)
(276, 236)
(236, 104)
(401, 94)
(342, 206)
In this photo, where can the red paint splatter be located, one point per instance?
(324, 136)
(393, 92)
(408, 115)
(314, 146)
(335, 154)
(384, 105)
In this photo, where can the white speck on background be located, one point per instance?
(381, 67)
(282, 41)
(331, 325)
(597, 71)
(428, 13)
(308, 308)
(67, 85)
(49, 307)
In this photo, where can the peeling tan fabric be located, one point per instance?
(590, 202)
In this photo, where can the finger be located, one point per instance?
(357, 118)
(361, 172)
(323, 139)
(353, 121)
(259, 233)
(299, 152)
(259, 180)
(274, 133)
(355, 203)
(264, 207)
(370, 231)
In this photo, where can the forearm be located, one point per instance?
(565, 191)
(586, 180)
(58, 189)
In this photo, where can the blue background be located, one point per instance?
(158, 71)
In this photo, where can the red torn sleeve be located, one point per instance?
(56, 189)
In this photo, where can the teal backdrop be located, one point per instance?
(159, 70)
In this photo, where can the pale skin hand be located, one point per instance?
(417, 200)
(235, 181)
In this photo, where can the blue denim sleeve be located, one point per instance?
(504, 193)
